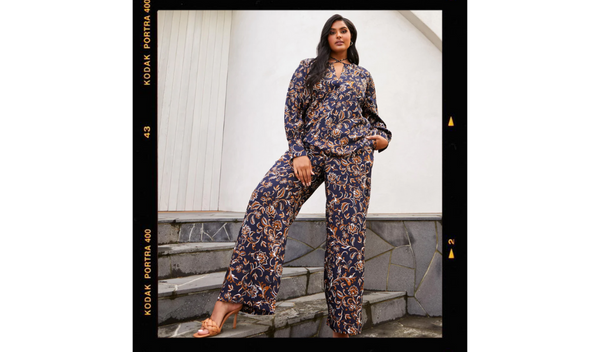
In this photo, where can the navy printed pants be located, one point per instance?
(256, 266)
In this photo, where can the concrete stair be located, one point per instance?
(297, 317)
(186, 259)
(186, 300)
(195, 249)
(193, 297)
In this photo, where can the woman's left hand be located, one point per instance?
(380, 142)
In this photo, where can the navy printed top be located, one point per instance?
(337, 116)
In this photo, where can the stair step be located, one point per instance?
(195, 258)
(410, 326)
(404, 252)
(191, 297)
(184, 259)
(298, 317)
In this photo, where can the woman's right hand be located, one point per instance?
(303, 169)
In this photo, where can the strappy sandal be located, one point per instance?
(211, 326)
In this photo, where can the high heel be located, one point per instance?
(211, 326)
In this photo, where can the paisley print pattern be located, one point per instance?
(337, 115)
(330, 127)
(348, 189)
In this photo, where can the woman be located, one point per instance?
(333, 128)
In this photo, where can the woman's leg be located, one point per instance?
(348, 188)
(254, 273)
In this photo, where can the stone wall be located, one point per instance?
(401, 255)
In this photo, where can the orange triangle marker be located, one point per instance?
(451, 123)
(451, 256)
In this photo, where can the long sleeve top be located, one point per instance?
(337, 116)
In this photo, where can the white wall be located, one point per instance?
(432, 19)
(265, 49)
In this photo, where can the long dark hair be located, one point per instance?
(319, 64)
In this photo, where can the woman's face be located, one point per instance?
(339, 37)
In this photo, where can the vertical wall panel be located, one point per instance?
(205, 112)
(194, 32)
(179, 162)
(214, 201)
(193, 57)
(196, 126)
(173, 152)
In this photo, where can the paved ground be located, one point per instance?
(408, 326)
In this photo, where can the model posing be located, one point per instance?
(333, 128)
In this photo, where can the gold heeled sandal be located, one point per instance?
(211, 326)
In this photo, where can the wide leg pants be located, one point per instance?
(256, 266)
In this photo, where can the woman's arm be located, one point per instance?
(295, 106)
(294, 110)
(370, 112)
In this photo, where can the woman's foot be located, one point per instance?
(335, 334)
(219, 311)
